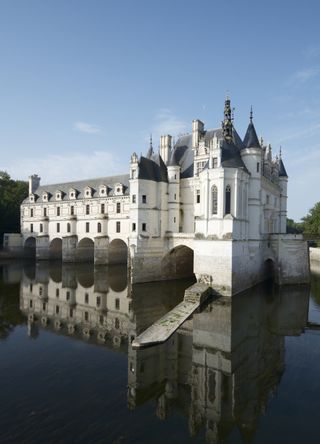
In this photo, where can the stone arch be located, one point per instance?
(178, 263)
(85, 250)
(30, 247)
(118, 252)
(55, 249)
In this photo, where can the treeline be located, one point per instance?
(12, 193)
(309, 225)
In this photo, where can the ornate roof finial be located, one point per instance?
(280, 152)
(227, 121)
(151, 141)
(251, 114)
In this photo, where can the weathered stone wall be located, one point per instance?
(315, 260)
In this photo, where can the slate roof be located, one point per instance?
(251, 139)
(153, 168)
(282, 170)
(80, 186)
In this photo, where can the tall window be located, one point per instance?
(41, 228)
(87, 227)
(133, 226)
(87, 209)
(68, 227)
(198, 196)
(133, 198)
(214, 197)
(258, 167)
(144, 198)
(228, 199)
(118, 227)
(118, 207)
(45, 212)
(58, 211)
(144, 227)
(31, 212)
(72, 210)
(58, 227)
(102, 208)
(215, 162)
(99, 227)
(31, 228)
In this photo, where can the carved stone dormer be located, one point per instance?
(88, 192)
(118, 189)
(73, 193)
(59, 195)
(103, 190)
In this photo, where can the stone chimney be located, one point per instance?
(34, 182)
(165, 147)
(197, 130)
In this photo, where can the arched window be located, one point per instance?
(68, 227)
(228, 200)
(214, 200)
(99, 227)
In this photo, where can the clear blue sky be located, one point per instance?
(84, 82)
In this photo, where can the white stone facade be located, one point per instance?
(211, 199)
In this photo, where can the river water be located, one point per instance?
(240, 372)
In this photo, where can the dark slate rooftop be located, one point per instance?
(282, 170)
(80, 185)
(153, 168)
(251, 139)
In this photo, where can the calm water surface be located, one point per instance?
(246, 372)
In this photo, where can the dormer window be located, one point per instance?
(103, 190)
(58, 195)
(72, 193)
(88, 192)
(45, 197)
(31, 198)
(118, 189)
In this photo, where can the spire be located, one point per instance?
(282, 170)
(150, 150)
(251, 139)
(227, 121)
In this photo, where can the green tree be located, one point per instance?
(294, 227)
(311, 222)
(12, 193)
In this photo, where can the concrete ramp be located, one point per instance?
(162, 329)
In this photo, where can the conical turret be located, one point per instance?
(251, 139)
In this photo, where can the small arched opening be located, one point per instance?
(178, 263)
(269, 270)
(85, 250)
(30, 247)
(118, 252)
(55, 249)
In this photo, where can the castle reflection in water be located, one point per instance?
(220, 368)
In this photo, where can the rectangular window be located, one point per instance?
(144, 227)
(86, 316)
(45, 212)
(102, 209)
(117, 303)
(267, 199)
(133, 226)
(87, 227)
(101, 320)
(118, 207)
(31, 212)
(58, 211)
(31, 228)
(41, 228)
(57, 292)
(118, 227)
(57, 309)
(71, 313)
(175, 197)
(30, 303)
(215, 162)
(174, 220)
(68, 295)
(40, 291)
(30, 288)
(58, 227)
(87, 209)
(86, 298)
(144, 198)
(198, 196)
(72, 210)
(133, 198)
(44, 306)
(258, 167)
(98, 301)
